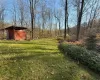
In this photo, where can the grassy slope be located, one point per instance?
(38, 60)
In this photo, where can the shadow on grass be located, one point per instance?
(25, 42)
(56, 67)
(10, 50)
(52, 64)
(33, 56)
(40, 48)
(91, 72)
(15, 50)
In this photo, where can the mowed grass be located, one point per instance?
(39, 60)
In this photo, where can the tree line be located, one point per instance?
(52, 18)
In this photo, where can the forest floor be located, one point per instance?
(39, 60)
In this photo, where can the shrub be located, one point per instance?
(60, 39)
(78, 43)
(98, 48)
(98, 36)
(81, 54)
(68, 37)
(91, 42)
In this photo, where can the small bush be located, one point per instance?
(98, 36)
(81, 54)
(98, 48)
(60, 39)
(68, 37)
(91, 42)
(78, 43)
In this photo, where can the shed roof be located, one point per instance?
(15, 27)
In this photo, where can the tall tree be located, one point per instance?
(21, 11)
(45, 15)
(33, 13)
(14, 12)
(2, 18)
(80, 13)
(66, 19)
(2, 11)
(58, 16)
(32, 17)
(93, 13)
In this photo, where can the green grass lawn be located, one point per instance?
(39, 60)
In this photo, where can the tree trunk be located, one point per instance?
(32, 17)
(79, 20)
(66, 18)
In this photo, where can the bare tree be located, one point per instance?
(50, 17)
(2, 11)
(2, 16)
(21, 11)
(80, 13)
(32, 16)
(58, 16)
(66, 19)
(44, 15)
(32, 12)
(93, 13)
(14, 12)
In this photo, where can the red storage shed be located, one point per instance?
(16, 33)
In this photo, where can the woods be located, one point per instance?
(57, 18)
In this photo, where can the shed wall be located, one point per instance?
(19, 34)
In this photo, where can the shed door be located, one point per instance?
(10, 34)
